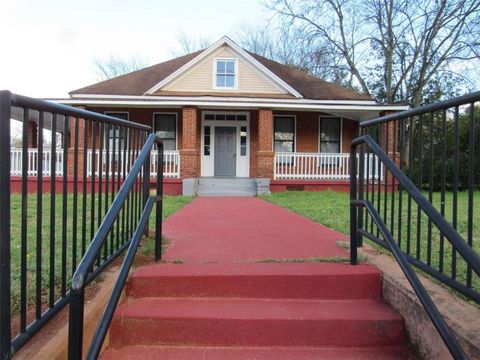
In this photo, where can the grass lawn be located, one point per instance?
(332, 209)
(170, 205)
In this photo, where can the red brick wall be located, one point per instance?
(307, 128)
(350, 132)
(190, 152)
(265, 152)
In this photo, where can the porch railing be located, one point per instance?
(321, 166)
(16, 155)
(171, 162)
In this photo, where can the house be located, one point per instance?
(224, 112)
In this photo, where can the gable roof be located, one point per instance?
(137, 82)
(150, 80)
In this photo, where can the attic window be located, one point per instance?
(225, 73)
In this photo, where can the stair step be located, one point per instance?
(261, 280)
(256, 322)
(219, 181)
(259, 353)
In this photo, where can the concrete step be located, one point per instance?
(225, 181)
(261, 280)
(226, 187)
(256, 322)
(259, 353)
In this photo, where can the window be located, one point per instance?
(243, 141)
(225, 73)
(206, 141)
(284, 133)
(165, 126)
(330, 129)
(116, 136)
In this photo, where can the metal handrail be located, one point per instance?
(458, 101)
(444, 227)
(422, 294)
(457, 241)
(80, 277)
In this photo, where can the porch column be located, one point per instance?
(189, 153)
(71, 147)
(32, 133)
(265, 153)
(388, 136)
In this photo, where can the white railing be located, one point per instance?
(171, 163)
(32, 163)
(321, 166)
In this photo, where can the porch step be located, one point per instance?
(256, 322)
(226, 187)
(262, 280)
(256, 311)
(248, 353)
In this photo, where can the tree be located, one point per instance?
(115, 66)
(393, 50)
(188, 44)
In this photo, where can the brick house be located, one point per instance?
(226, 113)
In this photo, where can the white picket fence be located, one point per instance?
(321, 166)
(32, 162)
(171, 162)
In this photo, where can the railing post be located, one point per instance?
(353, 209)
(75, 326)
(159, 206)
(146, 186)
(5, 319)
(361, 179)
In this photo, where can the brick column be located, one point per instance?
(265, 153)
(387, 132)
(71, 147)
(32, 133)
(189, 153)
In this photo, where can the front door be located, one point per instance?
(225, 150)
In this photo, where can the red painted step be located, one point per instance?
(272, 353)
(260, 280)
(256, 322)
(256, 311)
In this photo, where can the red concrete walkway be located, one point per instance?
(244, 229)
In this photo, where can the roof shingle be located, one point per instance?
(138, 82)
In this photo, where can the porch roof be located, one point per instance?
(352, 109)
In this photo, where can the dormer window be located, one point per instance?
(226, 73)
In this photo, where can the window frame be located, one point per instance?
(340, 139)
(176, 124)
(294, 131)
(235, 76)
(117, 138)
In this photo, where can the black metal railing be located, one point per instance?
(437, 147)
(381, 210)
(84, 270)
(47, 220)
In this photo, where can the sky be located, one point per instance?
(49, 47)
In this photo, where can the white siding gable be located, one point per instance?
(200, 78)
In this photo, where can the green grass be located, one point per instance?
(170, 205)
(332, 209)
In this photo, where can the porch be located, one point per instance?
(298, 150)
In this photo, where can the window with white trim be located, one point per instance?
(330, 133)
(284, 133)
(117, 135)
(165, 126)
(225, 73)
